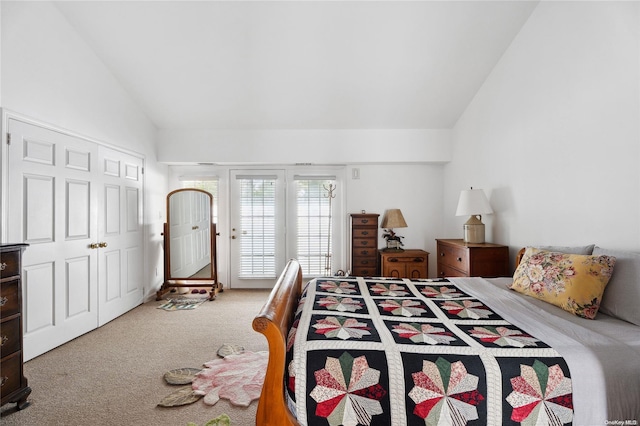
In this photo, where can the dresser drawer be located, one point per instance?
(10, 374)
(447, 271)
(364, 252)
(365, 262)
(10, 264)
(9, 300)
(368, 243)
(369, 220)
(454, 257)
(10, 338)
(371, 233)
(361, 271)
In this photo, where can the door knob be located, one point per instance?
(93, 246)
(102, 244)
(233, 237)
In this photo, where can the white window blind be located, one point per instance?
(314, 223)
(257, 236)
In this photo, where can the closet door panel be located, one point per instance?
(120, 233)
(52, 207)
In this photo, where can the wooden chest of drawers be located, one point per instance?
(405, 264)
(13, 384)
(459, 259)
(364, 244)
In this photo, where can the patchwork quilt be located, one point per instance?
(366, 351)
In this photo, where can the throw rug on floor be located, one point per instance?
(238, 377)
(182, 303)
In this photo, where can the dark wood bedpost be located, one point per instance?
(274, 321)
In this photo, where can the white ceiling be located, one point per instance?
(300, 64)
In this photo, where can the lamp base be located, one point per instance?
(474, 230)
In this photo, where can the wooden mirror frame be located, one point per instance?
(170, 282)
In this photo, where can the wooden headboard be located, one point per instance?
(519, 255)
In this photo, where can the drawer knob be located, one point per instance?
(441, 254)
(3, 266)
(459, 259)
(3, 380)
(365, 232)
(365, 220)
(3, 300)
(393, 259)
(365, 251)
(4, 340)
(418, 259)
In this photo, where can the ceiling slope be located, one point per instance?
(300, 65)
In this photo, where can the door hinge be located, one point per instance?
(8, 138)
(143, 170)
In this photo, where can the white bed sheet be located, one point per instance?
(603, 354)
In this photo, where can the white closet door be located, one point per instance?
(120, 233)
(52, 207)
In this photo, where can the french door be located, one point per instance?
(78, 205)
(257, 222)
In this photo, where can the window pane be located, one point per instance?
(257, 237)
(314, 225)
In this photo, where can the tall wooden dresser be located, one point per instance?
(364, 244)
(13, 384)
(459, 259)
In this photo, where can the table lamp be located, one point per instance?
(473, 203)
(393, 219)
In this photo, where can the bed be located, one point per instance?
(379, 351)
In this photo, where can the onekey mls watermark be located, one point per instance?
(621, 422)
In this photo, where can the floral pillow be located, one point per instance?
(572, 282)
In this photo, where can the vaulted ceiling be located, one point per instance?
(300, 64)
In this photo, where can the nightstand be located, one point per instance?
(405, 264)
(459, 259)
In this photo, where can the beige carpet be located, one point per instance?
(113, 375)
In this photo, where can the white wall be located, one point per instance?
(50, 74)
(318, 146)
(416, 189)
(553, 136)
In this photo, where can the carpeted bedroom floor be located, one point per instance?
(114, 375)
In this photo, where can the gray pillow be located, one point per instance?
(622, 295)
(569, 250)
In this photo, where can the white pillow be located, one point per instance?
(569, 250)
(621, 297)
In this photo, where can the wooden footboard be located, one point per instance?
(274, 321)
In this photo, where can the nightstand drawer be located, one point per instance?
(10, 338)
(9, 300)
(454, 257)
(10, 264)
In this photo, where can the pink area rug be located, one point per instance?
(237, 377)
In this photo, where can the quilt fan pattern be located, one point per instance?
(368, 351)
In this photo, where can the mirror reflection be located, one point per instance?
(189, 222)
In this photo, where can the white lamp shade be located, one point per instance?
(473, 202)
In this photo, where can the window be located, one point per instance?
(314, 224)
(258, 226)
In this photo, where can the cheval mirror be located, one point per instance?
(190, 258)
